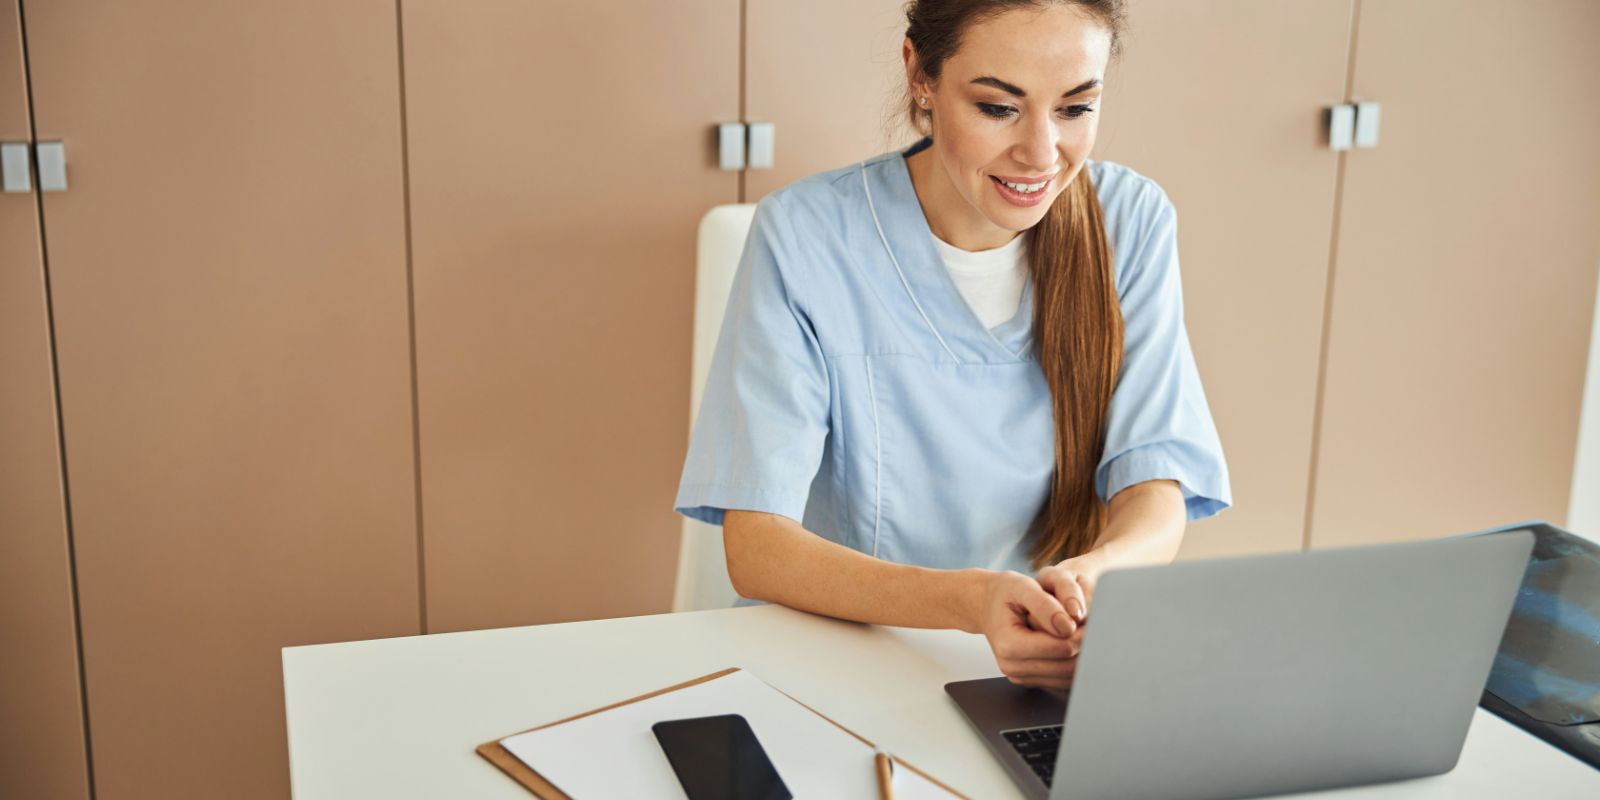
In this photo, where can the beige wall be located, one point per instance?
(228, 281)
(1584, 516)
(1463, 290)
(41, 713)
(553, 263)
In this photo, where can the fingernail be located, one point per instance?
(1075, 609)
(1062, 625)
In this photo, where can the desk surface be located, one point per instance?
(398, 718)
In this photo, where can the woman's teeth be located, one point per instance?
(1025, 188)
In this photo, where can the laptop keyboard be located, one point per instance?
(1038, 747)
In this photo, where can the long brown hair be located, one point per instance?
(1077, 320)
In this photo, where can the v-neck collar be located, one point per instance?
(910, 240)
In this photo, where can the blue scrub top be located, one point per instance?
(854, 390)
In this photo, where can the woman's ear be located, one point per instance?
(908, 54)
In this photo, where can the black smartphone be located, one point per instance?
(718, 758)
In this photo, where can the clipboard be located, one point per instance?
(529, 779)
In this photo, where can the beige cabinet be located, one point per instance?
(553, 214)
(41, 737)
(228, 282)
(827, 74)
(1464, 281)
(1234, 133)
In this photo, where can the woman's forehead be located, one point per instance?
(1048, 51)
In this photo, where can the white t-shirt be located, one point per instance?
(990, 281)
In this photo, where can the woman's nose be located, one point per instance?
(1037, 147)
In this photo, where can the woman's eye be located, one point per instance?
(1002, 112)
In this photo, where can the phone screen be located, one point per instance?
(718, 758)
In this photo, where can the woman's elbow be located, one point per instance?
(735, 547)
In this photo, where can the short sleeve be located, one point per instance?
(1159, 425)
(758, 437)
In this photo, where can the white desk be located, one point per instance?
(399, 718)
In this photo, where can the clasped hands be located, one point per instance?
(1035, 624)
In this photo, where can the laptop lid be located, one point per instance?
(1281, 673)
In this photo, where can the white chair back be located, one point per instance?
(702, 568)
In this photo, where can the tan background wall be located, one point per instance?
(831, 105)
(41, 713)
(1254, 183)
(1465, 276)
(553, 217)
(1584, 516)
(229, 286)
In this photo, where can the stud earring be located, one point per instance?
(922, 100)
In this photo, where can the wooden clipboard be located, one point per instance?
(531, 780)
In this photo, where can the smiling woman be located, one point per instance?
(876, 448)
(973, 96)
(988, 131)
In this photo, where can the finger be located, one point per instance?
(1021, 643)
(1051, 617)
(1040, 625)
(1064, 585)
(1075, 639)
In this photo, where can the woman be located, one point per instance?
(953, 384)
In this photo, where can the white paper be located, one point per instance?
(615, 754)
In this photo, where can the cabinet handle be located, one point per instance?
(1367, 115)
(730, 145)
(761, 145)
(14, 167)
(1341, 121)
(52, 158)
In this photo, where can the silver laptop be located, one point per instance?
(1262, 675)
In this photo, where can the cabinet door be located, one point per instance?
(561, 157)
(1465, 281)
(229, 283)
(1220, 102)
(41, 740)
(828, 75)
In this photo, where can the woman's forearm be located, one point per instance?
(773, 558)
(1144, 526)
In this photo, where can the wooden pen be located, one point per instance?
(885, 775)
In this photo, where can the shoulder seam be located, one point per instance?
(790, 285)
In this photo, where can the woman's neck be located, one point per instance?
(950, 216)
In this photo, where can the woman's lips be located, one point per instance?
(1022, 199)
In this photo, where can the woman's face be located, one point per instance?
(1017, 103)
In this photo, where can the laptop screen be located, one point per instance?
(1548, 665)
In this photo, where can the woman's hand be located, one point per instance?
(1071, 582)
(1028, 657)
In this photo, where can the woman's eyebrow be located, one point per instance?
(989, 80)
